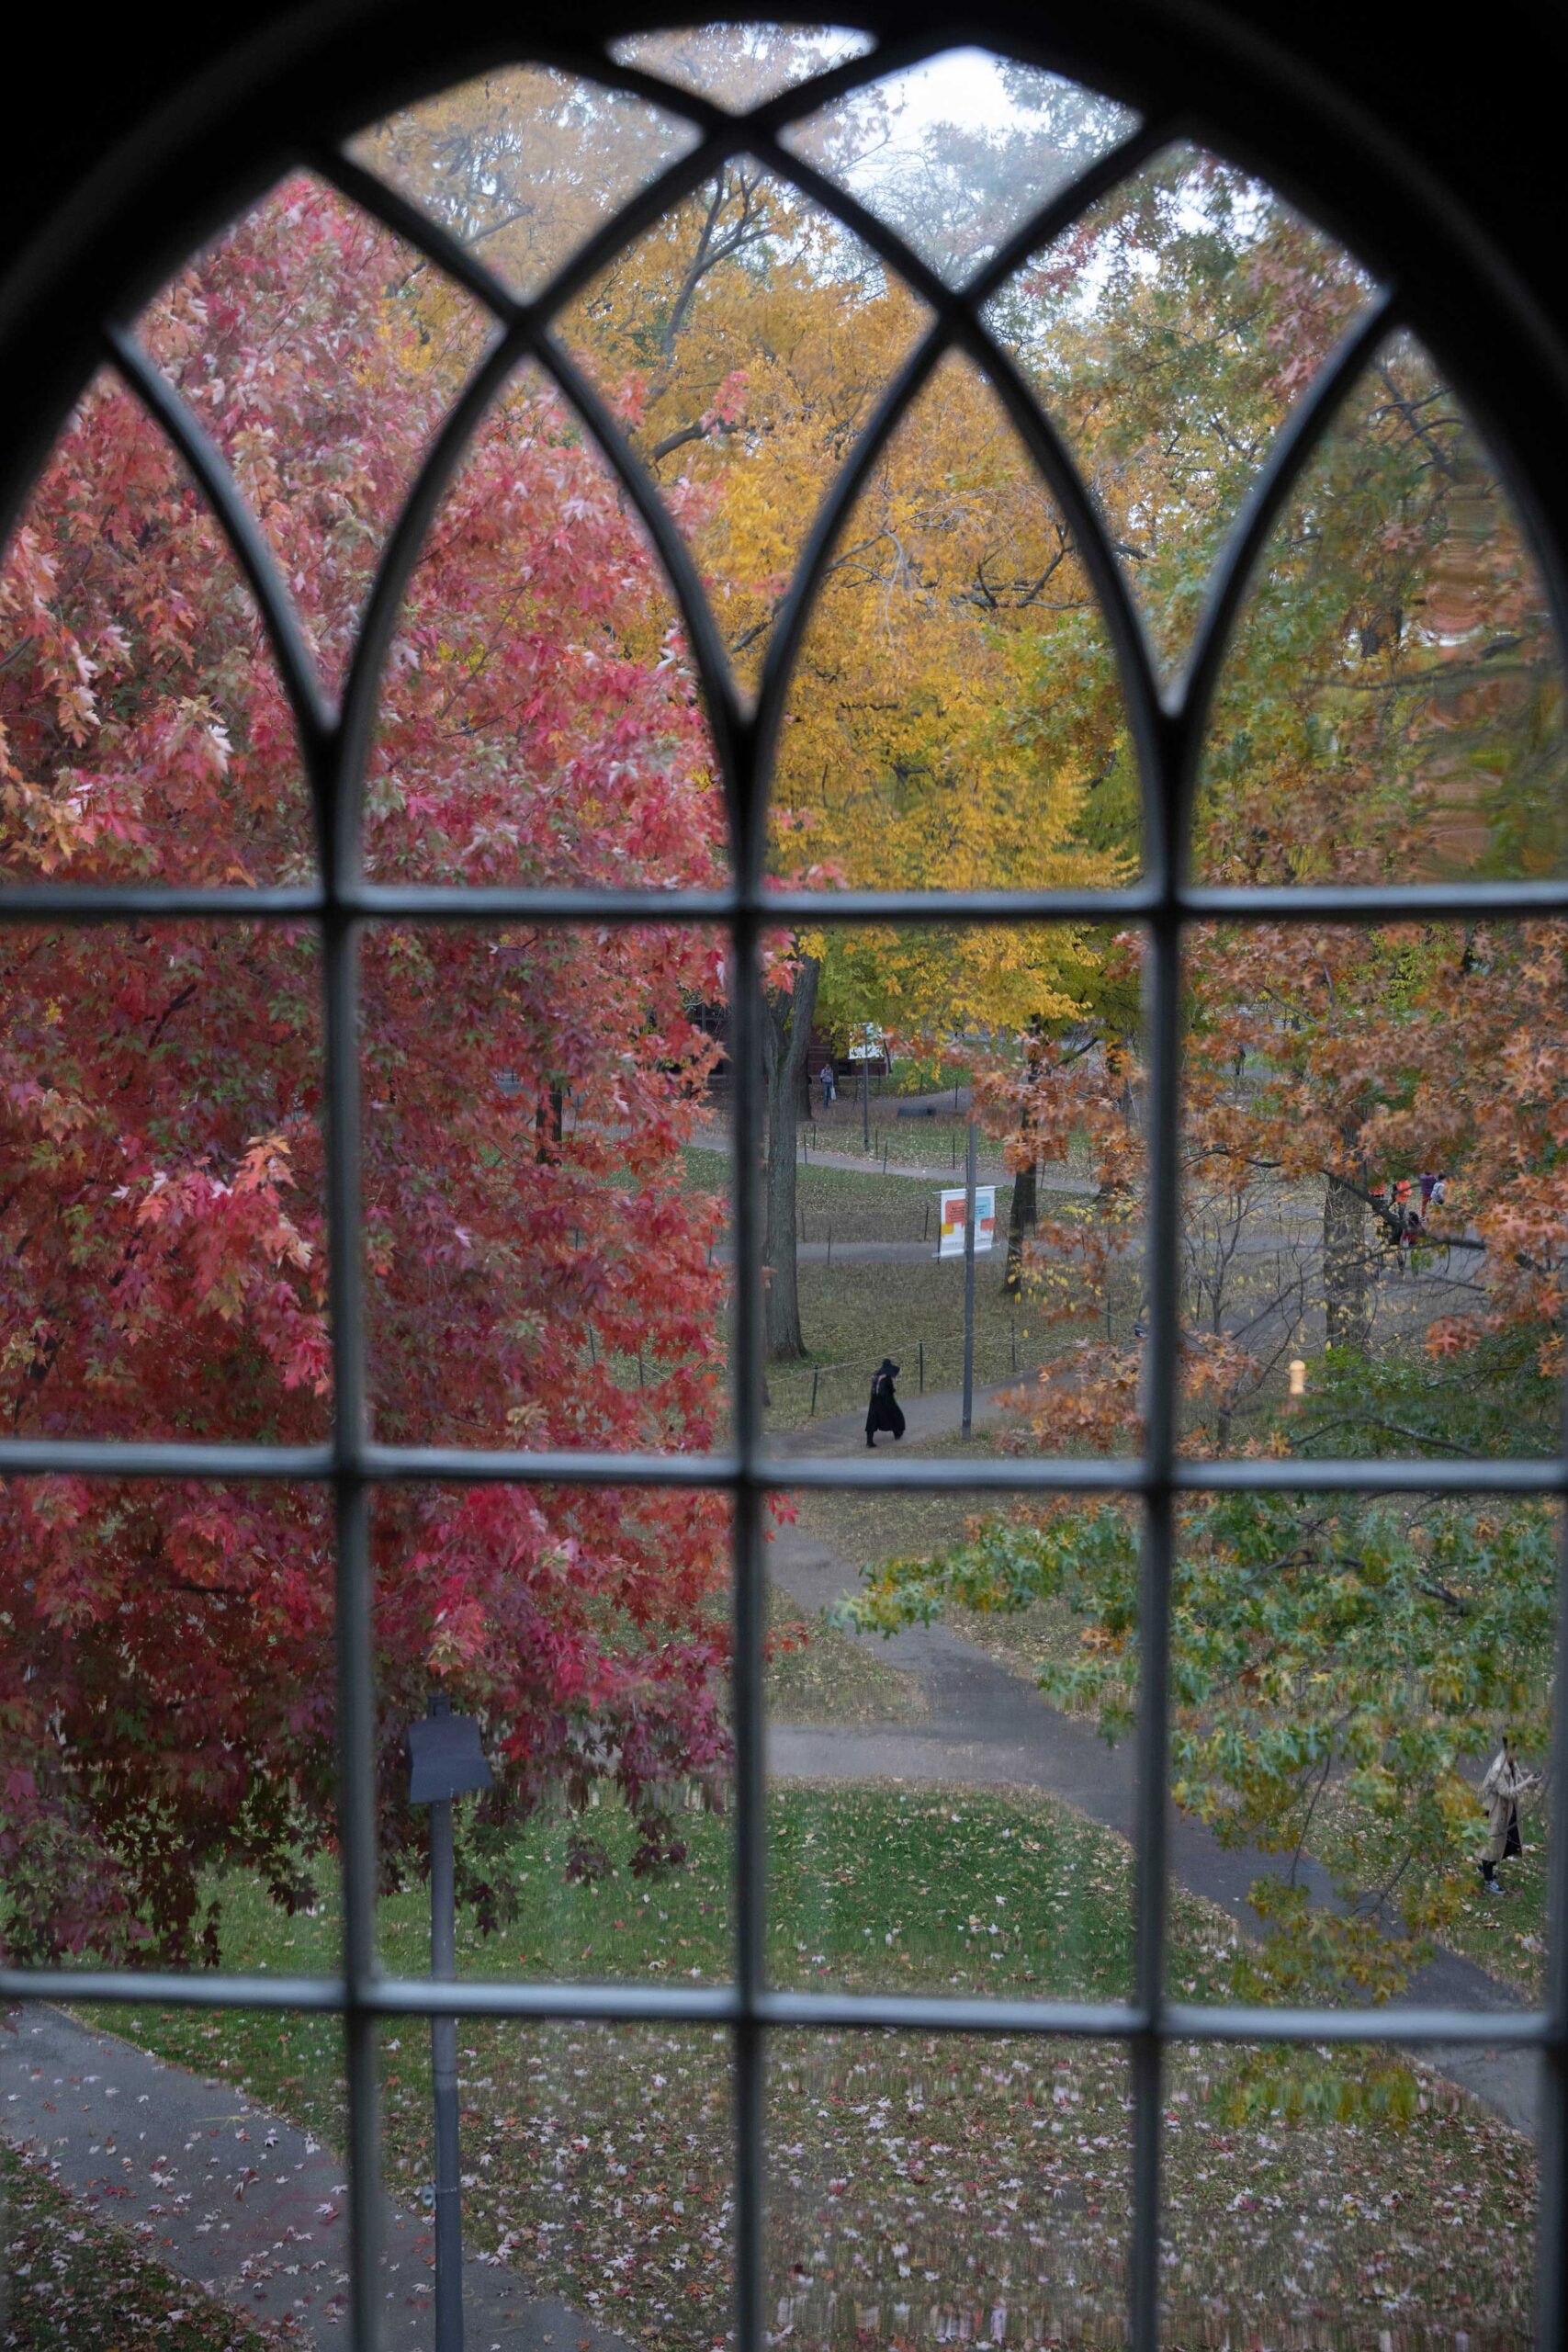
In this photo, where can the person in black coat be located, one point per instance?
(884, 1412)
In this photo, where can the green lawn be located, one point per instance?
(72, 2283)
(917, 2184)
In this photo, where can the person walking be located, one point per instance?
(884, 1412)
(1503, 1787)
(829, 1085)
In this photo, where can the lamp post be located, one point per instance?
(445, 1760)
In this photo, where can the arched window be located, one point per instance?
(620, 575)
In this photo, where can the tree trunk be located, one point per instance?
(786, 1032)
(1022, 1218)
(1346, 1269)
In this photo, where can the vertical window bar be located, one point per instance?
(355, 1697)
(1158, 1370)
(1551, 2219)
(751, 1795)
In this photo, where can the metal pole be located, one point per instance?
(865, 1096)
(444, 2066)
(969, 1161)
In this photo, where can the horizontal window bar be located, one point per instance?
(113, 902)
(1300, 1475)
(86, 1457)
(170, 1988)
(778, 1474)
(630, 2004)
(935, 1475)
(1090, 1473)
(1410, 2028)
(721, 2005)
(897, 2012)
(452, 1464)
(496, 902)
(1408, 902)
(828, 907)
(1411, 902)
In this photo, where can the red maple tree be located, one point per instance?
(537, 1272)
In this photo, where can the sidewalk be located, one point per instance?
(239, 2202)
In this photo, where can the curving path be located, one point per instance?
(986, 1725)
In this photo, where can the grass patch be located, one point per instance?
(917, 2184)
(70, 2282)
(834, 1676)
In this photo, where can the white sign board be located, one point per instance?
(951, 1244)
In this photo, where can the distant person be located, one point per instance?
(884, 1412)
(1504, 1784)
(829, 1085)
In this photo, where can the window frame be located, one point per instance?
(102, 282)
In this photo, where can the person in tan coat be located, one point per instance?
(1504, 1785)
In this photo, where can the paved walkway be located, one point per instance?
(943, 1171)
(239, 2202)
(987, 1726)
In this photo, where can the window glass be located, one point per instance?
(546, 1186)
(955, 718)
(1369, 2195)
(1370, 1210)
(160, 1089)
(947, 2189)
(541, 718)
(168, 1685)
(1391, 708)
(321, 354)
(193, 2190)
(525, 165)
(946, 1813)
(741, 66)
(144, 731)
(1363, 1717)
(585, 1635)
(957, 152)
(1168, 334)
(743, 344)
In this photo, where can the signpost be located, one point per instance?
(970, 1205)
(967, 1224)
(445, 1760)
